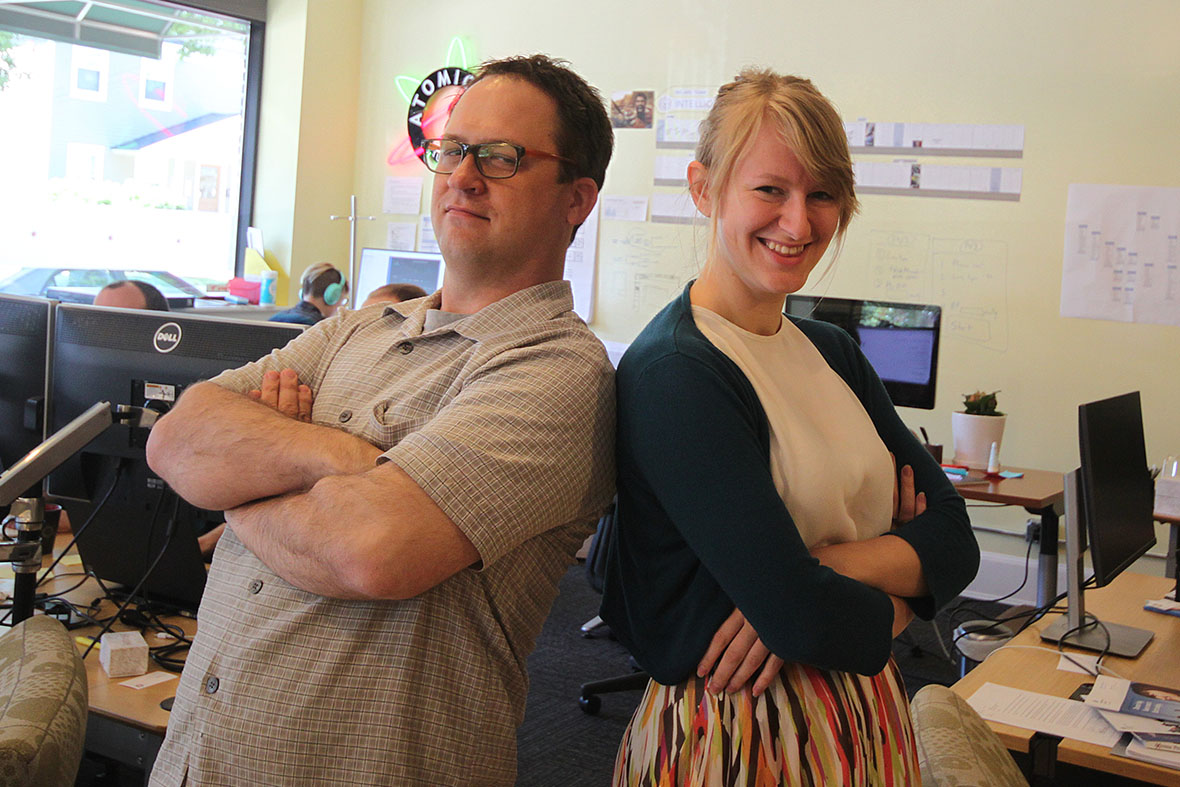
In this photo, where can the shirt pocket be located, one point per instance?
(390, 421)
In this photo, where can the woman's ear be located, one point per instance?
(698, 187)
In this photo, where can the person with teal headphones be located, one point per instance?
(323, 290)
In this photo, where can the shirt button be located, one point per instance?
(405, 348)
(345, 416)
(211, 685)
(255, 585)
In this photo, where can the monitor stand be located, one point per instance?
(1124, 641)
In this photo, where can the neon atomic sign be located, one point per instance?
(430, 103)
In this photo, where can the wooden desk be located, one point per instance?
(124, 724)
(1040, 492)
(1036, 670)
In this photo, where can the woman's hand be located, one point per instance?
(741, 654)
(906, 503)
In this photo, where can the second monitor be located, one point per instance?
(899, 339)
(388, 266)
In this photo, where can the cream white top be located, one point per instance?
(829, 466)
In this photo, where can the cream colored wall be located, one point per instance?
(1094, 87)
(308, 133)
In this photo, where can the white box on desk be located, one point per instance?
(1167, 496)
(123, 654)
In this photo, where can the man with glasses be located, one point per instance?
(404, 487)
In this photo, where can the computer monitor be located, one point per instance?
(899, 339)
(24, 347)
(1109, 499)
(379, 267)
(139, 358)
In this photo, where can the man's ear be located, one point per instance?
(698, 187)
(583, 195)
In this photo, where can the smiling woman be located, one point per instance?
(777, 522)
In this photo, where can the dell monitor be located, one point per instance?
(1108, 502)
(139, 358)
(24, 346)
(379, 267)
(899, 339)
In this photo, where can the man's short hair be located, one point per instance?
(153, 299)
(583, 132)
(401, 292)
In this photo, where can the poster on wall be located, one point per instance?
(632, 109)
(1122, 254)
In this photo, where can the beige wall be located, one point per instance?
(308, 133)
(1095, 89)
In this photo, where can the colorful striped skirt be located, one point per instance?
(810, 727)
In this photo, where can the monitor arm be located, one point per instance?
(21, 484)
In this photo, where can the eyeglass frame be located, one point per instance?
(466, 148)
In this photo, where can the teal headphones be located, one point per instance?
(332, 293)
(315, 275)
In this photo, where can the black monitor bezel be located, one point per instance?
(919, 396)
(1117, 496)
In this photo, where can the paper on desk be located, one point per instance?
(1042, 712)
(1089, 664)
(1129, 722)
(150, 679)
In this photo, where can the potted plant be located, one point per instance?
(976, 428)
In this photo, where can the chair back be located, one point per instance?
(955, 745)
(43, 703)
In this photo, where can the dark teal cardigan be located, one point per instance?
(701, 527)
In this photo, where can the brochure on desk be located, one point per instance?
(1146, 714)
(1140, 699)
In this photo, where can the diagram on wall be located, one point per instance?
(641, 268)
(1122, 254)
(967, 277)
(970, 280)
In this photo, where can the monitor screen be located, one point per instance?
(387, 266)
(24, 344)
(139, 358)
(1117, 496)
(899, 339)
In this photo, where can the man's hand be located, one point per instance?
(741, 654)
(283, 392)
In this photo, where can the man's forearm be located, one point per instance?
(374, 535)
(218, 450)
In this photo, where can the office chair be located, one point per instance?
(588, 699)
(43, 703)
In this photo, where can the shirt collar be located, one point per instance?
(526, 307)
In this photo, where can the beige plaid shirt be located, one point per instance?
(506, 419)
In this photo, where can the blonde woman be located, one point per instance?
(768, 548)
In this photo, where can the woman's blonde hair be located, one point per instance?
(807, 121)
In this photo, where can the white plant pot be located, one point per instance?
(973, 437)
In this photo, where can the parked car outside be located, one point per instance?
(80, 285)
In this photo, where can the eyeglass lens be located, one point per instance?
(492, 159)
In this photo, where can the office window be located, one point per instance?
(124, 137)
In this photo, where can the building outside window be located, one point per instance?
(118, 159)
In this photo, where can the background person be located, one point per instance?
(132, 294)
(322, 289)
(767, 550)
(394, 293)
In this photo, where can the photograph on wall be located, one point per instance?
(633, 109)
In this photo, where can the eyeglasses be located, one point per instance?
(496, 160)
